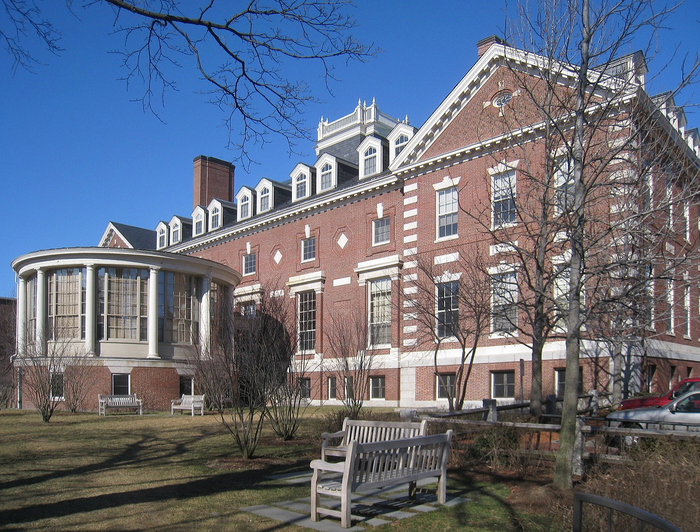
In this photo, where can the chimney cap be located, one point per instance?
(486, 43)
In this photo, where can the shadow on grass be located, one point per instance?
(182, 491)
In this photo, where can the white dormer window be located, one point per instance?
(175, 235)
(370, 161)
(326, 176)
(264, 199)
(198, 224)
(326, 173)
(162, 237)
(371, 156)
(302, 185)
(199, 221)
(215, 218)
(245, 208)
(400, 144)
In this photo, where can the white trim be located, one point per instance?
(447, 182)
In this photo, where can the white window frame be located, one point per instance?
(302, 173)
(438, 312)
(199, 215)
(326, 167)
(400, 143)
(563, 185)
(301, 298)
(247, 259)
(215, 217)
(305, 246)
(377, 306)
(163, 235)
(332, 387)
(246, 204)
(511, 176)
(175, 232)
(63, 386)
(375, 228)
(128, 382)
(670, 307)
(447, 205)
(370, 149)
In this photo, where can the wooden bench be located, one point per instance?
(369, 432)
(113, 402)
(188, 402)
(376, 465)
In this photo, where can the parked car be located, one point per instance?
(644, 401)
(683, 413)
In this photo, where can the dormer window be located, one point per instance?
(370, 161)
(245, 199)
(245, 208)
(199, 224)
(400, 144)
(302, 186)
(215, 218)
(326, 176)
(264, 199)
(162, 237)
(175, 235)
(371, 152)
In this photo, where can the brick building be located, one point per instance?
(387, 209)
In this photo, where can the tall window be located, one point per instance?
(332, 388)
(178, 308)
(301, 185)
(377, 388)
(120, 384)
(264, 199)
(686, 309)
(445, 385)
(503, 198)
(305, 388)
(66, 303)
(502, 384)
(245, 207)
(307, 320)
(199, 224)
(349, 388)
(504, 297)
(57, 386)
(370, 161)
(447, 206)
(176, 233)
(447, 308)
(649, 378)
(564, 185)
(31, 309)
(326, 176)
(124, 294)
(560, 381)
(215, 217)
(670, 306)
(380, 312)
(400, 144)
(249, 263)
(308, 249)
(381, 231)
(561, 287)
(162, 238)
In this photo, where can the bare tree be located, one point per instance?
(7, 348)
(78, 371)
(243, 53)
(452, 303)
(351, 359)
(43, 374)
(587, 102)
(248, 370)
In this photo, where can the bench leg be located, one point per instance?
(345, 504)
(412, 490)
(442, 488)
(314, 496)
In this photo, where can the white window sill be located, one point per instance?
(447, 238)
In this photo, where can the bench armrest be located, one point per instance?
(337, 467)
(332, 435)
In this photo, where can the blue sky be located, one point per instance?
(77, 152)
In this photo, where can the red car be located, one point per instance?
(650, 401)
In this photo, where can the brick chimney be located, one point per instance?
(213, 179)
(488, 42)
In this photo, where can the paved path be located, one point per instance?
(374, 508)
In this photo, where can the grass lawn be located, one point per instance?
(156, 472)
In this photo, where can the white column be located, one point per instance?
(90, 310)
(41, 311)
(205, 318)
(21, 315)
(153, 313)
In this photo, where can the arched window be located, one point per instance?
(400, 144)
(245, 207)
(215, 218)
(326, 176)
(162, 238)
(264, 199)
(301, 186)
